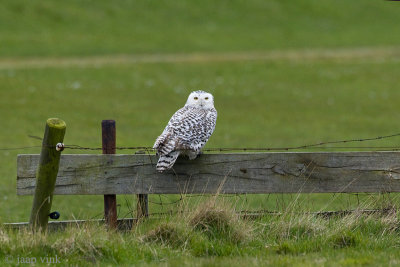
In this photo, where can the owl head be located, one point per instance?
(200, 99)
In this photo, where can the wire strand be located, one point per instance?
(18, 148)
(320, 145)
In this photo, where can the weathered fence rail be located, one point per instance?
(252, 173)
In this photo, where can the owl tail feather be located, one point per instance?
(165, 162)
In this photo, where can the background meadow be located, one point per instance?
(307, 72)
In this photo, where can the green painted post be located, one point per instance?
(47, 173)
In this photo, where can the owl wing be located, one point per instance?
(168, 140)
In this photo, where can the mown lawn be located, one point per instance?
(286, 100)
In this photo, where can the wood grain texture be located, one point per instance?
(288, 172)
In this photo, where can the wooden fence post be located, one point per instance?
(109, 144)
(142, 206)
(47, 173)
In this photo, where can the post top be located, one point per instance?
(56, 123)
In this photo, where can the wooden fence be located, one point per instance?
(251, 173)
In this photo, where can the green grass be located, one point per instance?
(213, 235)
(50, 28)
(289, 100)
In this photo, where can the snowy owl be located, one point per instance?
(187, 131)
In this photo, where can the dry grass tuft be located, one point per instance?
(88, 240)
(4, 239)
(390, 223)
(167, 234)
(293, 225)
(218, 220)
(27, 240)
(344, 239)
(298, 226)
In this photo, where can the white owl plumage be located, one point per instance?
(187, 131)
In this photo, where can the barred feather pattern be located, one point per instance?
(186, 133)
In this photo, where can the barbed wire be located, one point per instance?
(18, 148)
(150, 149)
(320, 145)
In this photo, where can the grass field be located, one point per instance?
(282, 74)
(99, 27)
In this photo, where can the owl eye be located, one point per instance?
(206, 98)
(195, 98)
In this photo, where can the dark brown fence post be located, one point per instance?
(109, 144)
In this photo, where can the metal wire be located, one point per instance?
(19, 148)
(320, 145)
